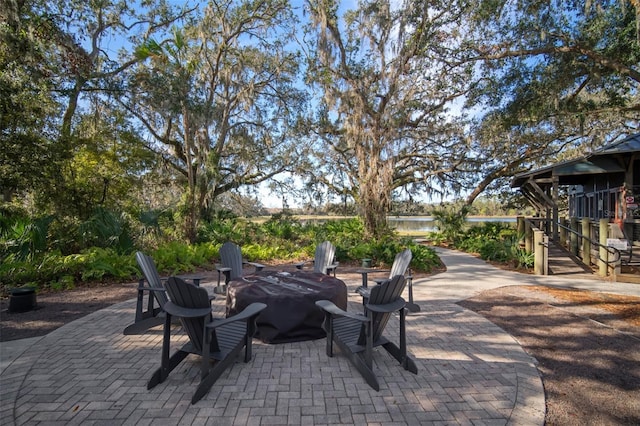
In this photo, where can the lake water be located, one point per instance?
(427, 224)
(418, 224)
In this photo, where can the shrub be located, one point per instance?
(281, 238)
(495, 242)
(498, 251)
(282, 225)
(451, 221)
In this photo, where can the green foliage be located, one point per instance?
(23, 237)
(383, 253)
(495, 242)
(66, 282)
(228, 228)
(282, 225)
(424, 258)
(451, 220)
(107, 229)
(282, 238)
(176, 257)
(436, 238)
(497, 251)
(57, 271)
(256, 252)
(522, 258)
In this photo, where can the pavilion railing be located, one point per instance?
(582, 239)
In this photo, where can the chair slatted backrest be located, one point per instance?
(187, 295)
(401, 263)
(324, 255)
(150, 272)
(231, 257)
(387, 292)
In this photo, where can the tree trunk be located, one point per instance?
(375, 191)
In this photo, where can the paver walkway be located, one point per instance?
(469, 371)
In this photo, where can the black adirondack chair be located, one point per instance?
(323, 260)
(400, 267)
(231, 263)
(217, 340)
(356, 335)
(151, 315)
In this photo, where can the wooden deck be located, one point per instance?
(562, 262)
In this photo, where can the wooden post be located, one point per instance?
(555, 213)
(521, 229)
(545, 254)
(538, 250)
(575, 247)
(563, 232)
(586, 241)
(603, 257)
(528, 237)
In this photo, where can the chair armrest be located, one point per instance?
(372, 270)
(396, 305)
(300, 265)
(179, 311)
(332, 309)
(251, 310)
(258, 266)
(380, 281)
(221, 268)
(152, 289)
(195, 280)
(364, 291)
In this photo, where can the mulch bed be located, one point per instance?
(55, 309)
(588, 355)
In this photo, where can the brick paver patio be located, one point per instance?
(470, 371)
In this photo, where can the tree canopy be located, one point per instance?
(140, 105)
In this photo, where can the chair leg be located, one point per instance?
(219, 289)
(328, 328)
(365, 371)
(403, 337)
(358, 360)
(400, 353)
(139, 300)
(141, 326)
(214, 373)
(167, 363)
(150, 305)
(368, 349)
(206, 351)
(248, 338)
(412, 307)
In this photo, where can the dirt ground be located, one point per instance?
(587, 345)
(54, 309)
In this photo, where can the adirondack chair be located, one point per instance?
(231, 263)
(400, 267)
(323, 260)
(217, 340)
(155, 292)
(356, 335)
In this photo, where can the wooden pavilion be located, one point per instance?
(601, 185)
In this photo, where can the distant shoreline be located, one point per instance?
(471, 218)
(336, 217)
